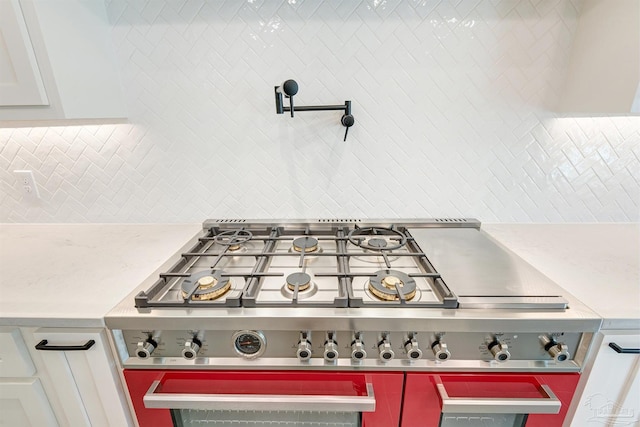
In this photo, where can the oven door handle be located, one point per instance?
(547, 404)
(262, 402)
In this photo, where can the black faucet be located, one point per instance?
(290, 88)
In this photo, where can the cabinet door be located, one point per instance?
(612, 392)
(23, 403)
(63, 47)
(86, 380)
(603, 74)
(20, 80)
(15, 358)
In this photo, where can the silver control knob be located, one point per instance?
(499, 350)
(559, 351)
(357, 351)
(385, 352)
(440, 351)
(145, 348)
(304, 350)
(330, 351)
(413, 351)
(191, 348)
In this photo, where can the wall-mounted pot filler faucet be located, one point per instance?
(289, 88)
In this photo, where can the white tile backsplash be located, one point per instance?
(451, 100)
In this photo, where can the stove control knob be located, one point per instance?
(499, 350)
(413, 351)
(441, 351)
(304, 350)
(145, 348)
(191, 348)
(330, 351)
(559, 351)
(358, 352)
(385, 352)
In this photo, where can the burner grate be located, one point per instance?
(259, 260)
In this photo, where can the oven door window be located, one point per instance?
(482, 420)
(492, 401)
(255, 399)
(227, 418)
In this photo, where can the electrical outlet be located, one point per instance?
(27, 182)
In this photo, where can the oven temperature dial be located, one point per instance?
(249, 344)
(559, 351)
(499, 350)
(191, 348)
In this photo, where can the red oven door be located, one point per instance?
(186, 398)
(461, 400)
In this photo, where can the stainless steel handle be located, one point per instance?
(549, 404)
(261, 402)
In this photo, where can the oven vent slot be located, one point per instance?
(340, 220)
(234, 221)
(451, 220)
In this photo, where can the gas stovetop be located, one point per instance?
(252, 264)
(350, 294)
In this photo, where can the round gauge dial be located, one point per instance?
(249, 344)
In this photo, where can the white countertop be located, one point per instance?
(597, 263)
(71, 275)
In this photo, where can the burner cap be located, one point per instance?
(385, 284)
(377, 243)
(305, 244)
(233, 238)
(210, 285)
(372, 237)
(298, 280)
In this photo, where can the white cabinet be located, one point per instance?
(20, 78)
(57, 62)
(603, 74)
(86, 381)
(611, 394)
(23, 401)
(71, 380)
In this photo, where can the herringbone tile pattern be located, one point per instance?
(452, 102)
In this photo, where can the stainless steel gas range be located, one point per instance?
(413, 306)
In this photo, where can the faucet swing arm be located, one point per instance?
(289, 88)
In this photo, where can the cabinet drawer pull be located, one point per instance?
(619, 349)
(42, 345)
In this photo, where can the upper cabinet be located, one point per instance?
(57, 62)
(603, 75)
(20, 79)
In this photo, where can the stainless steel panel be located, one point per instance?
(330, 222)
(474, 265)
(280, 349)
